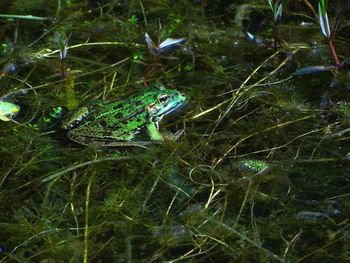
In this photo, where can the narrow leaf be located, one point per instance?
(278, 14)
(323, 19)
(272, 6)
(150, 43)
(312, 70)
(169, 44)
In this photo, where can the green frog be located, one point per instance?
(121, 120)
(8, 110)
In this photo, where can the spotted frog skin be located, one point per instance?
(121, 120)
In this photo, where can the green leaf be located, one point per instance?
(323, 20)
(278, 13)
(272, 6)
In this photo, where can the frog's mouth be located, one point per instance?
(159, 117)
(175, 107)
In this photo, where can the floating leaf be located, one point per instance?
(312, 70)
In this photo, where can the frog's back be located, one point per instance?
(119, 120)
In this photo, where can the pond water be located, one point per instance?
(251, 161)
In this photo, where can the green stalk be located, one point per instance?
(29, 17)
(86, 231)
(58, 10)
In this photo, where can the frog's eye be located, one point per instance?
(163, 99)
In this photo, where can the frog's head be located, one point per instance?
(165, 102)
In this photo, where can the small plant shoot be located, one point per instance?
(325, 28)
(165, 46)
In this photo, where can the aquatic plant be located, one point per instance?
(133, 20)
(325, 28)
(62, 42)
(158, 52)
(260, 173)
(328, 34)
(167, 45)
(343, 109)
(276, 8)
(4, 48)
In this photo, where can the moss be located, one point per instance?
(343, 109)
(35, 7)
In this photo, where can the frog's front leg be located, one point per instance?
(153, 132)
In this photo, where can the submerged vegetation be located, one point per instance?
(258, 170)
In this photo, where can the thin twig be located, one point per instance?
(47, 178)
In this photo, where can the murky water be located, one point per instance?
(259, 174)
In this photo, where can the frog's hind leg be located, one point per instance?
(79, 139)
